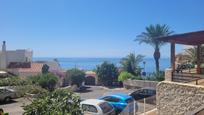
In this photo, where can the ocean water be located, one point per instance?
(91, 63)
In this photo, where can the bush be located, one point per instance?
(13, 81)
(137, 78)
(59, 102)
(47, 81)
(124, 76)
(107, 73)
(31, 89)
(75, 77)
(157, 76)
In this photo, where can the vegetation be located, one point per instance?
(45, 69)
(29, 89)
(47, 81)
(75, 77)
(124, 76)
(192, 54)
(107, 73)
(58, 102)
(156, 76)
(131, 63)
(13, 81)
(150, 36)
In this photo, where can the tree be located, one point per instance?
(192, 54)
(151, 35)
(47, 81)
(45, 69)
(107, 73)
(130, 63)
(58, 102)
(124, 76)
(75, 77)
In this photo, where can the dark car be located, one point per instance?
(143, 93)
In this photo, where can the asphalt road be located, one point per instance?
(92, 92)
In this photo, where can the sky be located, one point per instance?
(93, 28)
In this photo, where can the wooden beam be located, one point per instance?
(173, 56)
(198, 59)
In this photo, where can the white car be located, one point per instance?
(97, 107)
(6, 94)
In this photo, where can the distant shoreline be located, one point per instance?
(91, 63)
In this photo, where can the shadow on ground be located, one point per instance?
(3, 103)
(84, 89)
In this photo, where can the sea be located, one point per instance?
(91, 63)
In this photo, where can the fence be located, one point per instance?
(129, 84)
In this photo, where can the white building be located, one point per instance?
(12, 56)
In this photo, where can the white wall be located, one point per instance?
(19, 56)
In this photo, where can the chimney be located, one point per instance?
(4, 46)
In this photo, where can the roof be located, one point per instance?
(190, 38)
(90, 73)
(35, 67)
(53, 65)
(92, 101)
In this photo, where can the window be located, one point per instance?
(89, 108)
(111, 99)
(105, 107)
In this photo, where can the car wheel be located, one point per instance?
(7, 99)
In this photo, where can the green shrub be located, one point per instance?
(137, 78)
(47, 81)
(13, 81)
(107, 73)
(75, 77)
(58, 102)
(156, 76)
(124, 76)
(31, 89)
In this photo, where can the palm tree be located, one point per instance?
(192, 54)
(150, 37)
(130, 63)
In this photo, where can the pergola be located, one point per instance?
(191, 38)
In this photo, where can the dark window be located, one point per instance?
(111, 99)
(105, 107)
(89, 108)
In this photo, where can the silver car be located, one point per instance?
(6, 94)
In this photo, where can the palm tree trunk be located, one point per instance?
(156, 58)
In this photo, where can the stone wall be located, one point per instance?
(139, 84)
(179, 99)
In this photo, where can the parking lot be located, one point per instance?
(92, 92)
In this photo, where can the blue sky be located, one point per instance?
(92, 28)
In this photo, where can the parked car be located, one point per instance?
(6, 94)
(97, 107)
(120, 101)
(143, 93)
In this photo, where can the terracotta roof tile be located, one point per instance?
(35, 67)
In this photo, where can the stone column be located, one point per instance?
(168, 74)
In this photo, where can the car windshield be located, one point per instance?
(89, 108)
(105, 107)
